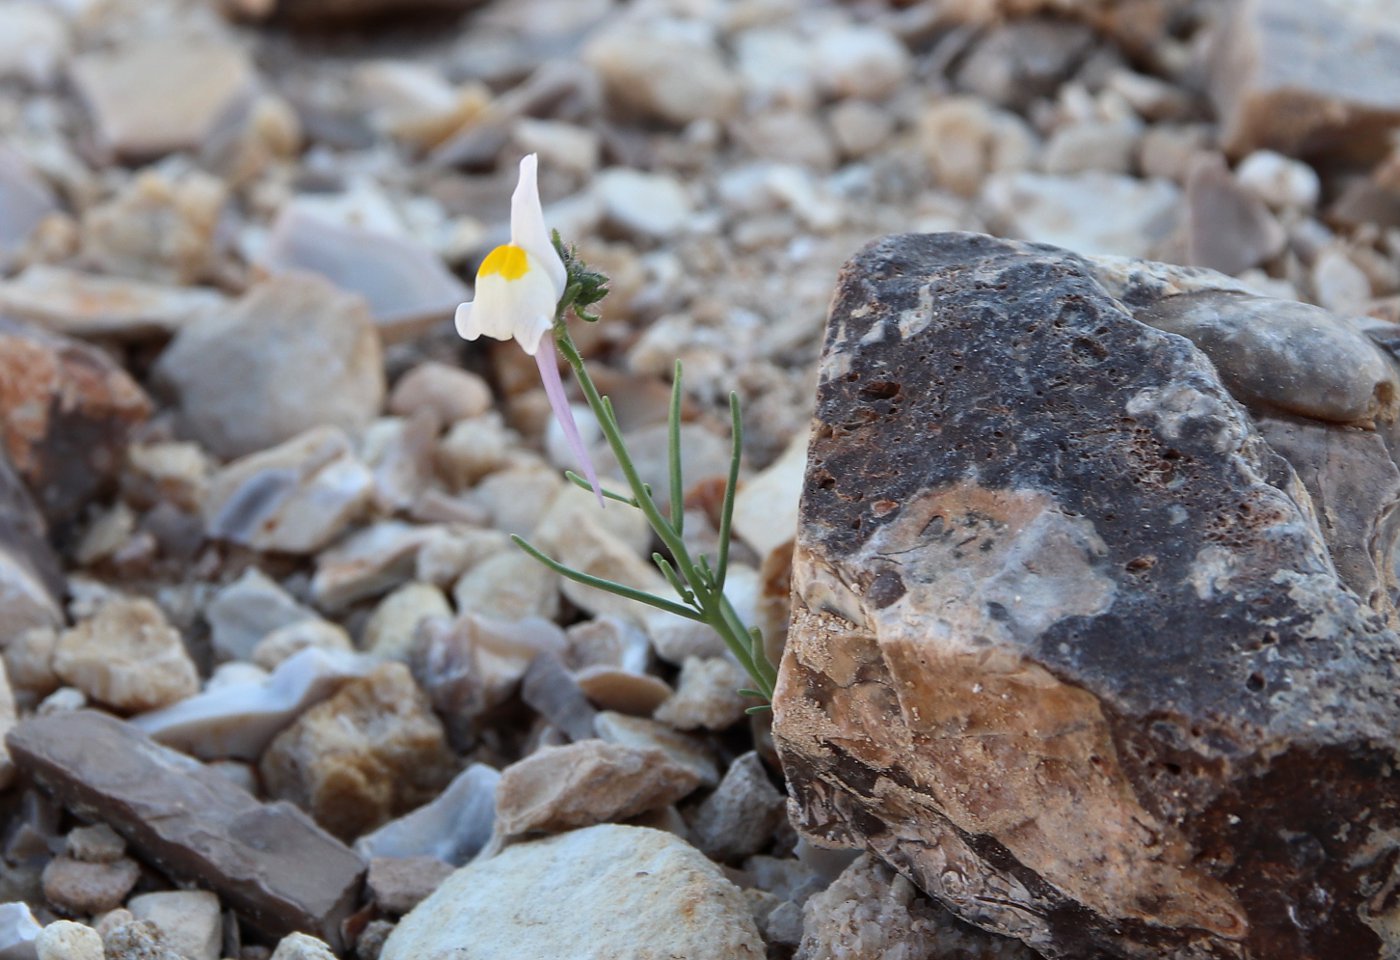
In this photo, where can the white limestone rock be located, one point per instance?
(624, 891)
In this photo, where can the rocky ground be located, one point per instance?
(272, 670)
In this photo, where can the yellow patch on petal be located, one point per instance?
(507, 261)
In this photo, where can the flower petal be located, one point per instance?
(548, 363)
(527, 227)
(516, 302)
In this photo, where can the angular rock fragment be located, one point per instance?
(473, 665)
(406, 285)
(371, 752)
(293, 498)
(1227, 228)
(267, 861)
(86, 305)
(190, 920)
(398, 884)
(739, 818)
(31, 580)
(248, 609)
(623, 891)
(291, 354)
(1068, 645)
(453, 827)
(367, 563)
(1092, 213)
(563, 788)
(872, 911)
(66, 409)
(1307, 77)
(18, 931)
(127, 656)
(196, 81)
(25, 199)
(239, 719)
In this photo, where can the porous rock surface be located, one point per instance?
(1068, 645)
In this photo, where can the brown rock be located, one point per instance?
(562, 788)
(1307, 77)
(159, 229)
(268, 861)
(81, 887)
(371, 752)
(399, 883)
(1068, 647)
(66, 409)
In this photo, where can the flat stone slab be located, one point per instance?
(268, 861)
(1069, 647)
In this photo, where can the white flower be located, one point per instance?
(518, 288)
(519, 283)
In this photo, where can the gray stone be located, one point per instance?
(668, 70)
(18, 931)
(1096, 565)
(1289, 356)
(238, 719)
(301, 946)
(453, 827)
(648, 206)
(196, 80)
(25, 199)
(1304, 77)
(623, 891)
(739, 818)
(474, 664)
(406, 285)
(98, 843)
(248, 609)
(295, 497)
(367, 563)
(872, 911)
(1227, 228)
(87, 305)
(554, 693)
(34, 43)
(268, 861)
(291, 354)
(1091, 213)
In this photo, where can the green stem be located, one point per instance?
(705, 587)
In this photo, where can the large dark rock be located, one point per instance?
(1068, 645)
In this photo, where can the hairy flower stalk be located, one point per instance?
(528, 287)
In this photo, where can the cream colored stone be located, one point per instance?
(127, 656)
(390, 630)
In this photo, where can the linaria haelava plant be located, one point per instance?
(525, 289)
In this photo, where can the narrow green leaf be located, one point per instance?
(621, 590)
(726, 514)
(673, 453)
(578, 481)
(669, 572)
(758, 709)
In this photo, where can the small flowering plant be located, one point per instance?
(524, 290)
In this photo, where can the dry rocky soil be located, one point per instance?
(1066, 334)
